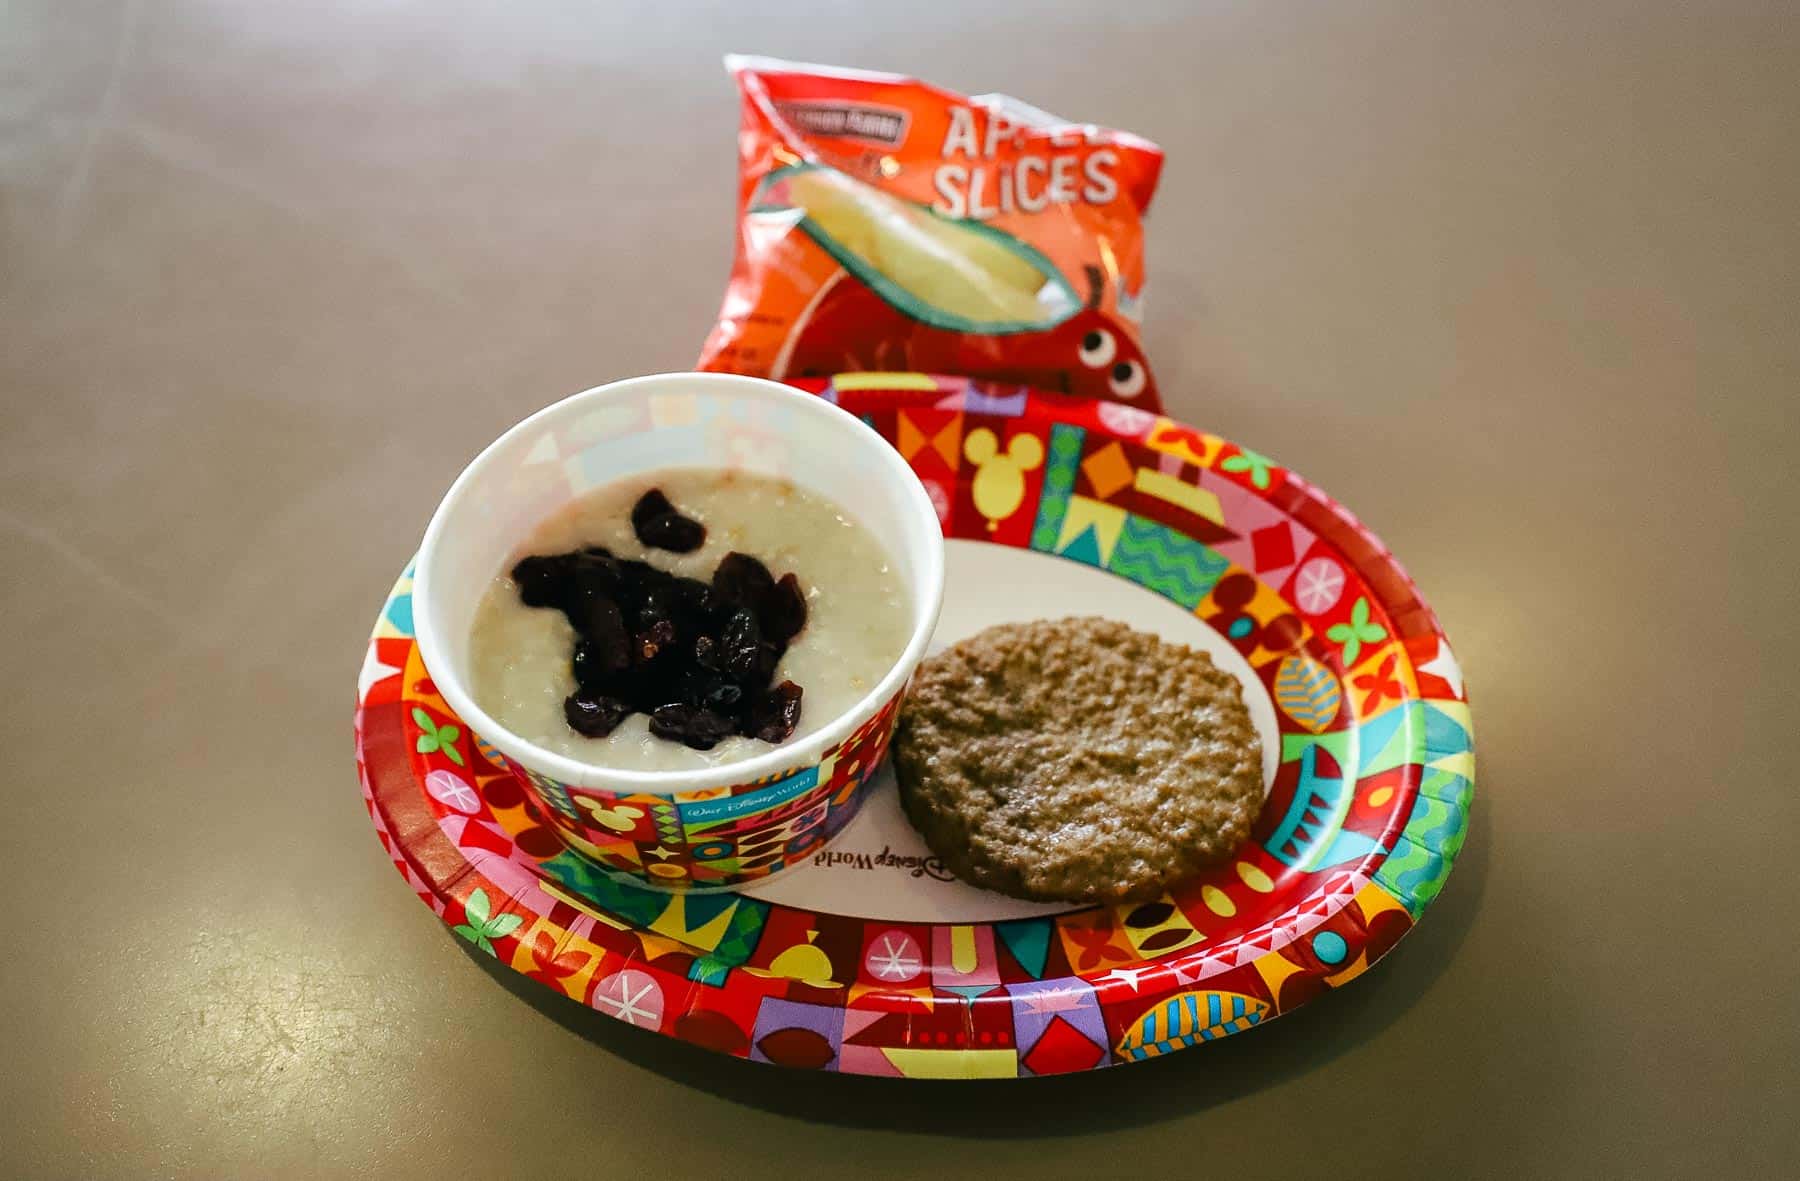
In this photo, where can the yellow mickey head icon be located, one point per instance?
(622, 818)
(999, 485)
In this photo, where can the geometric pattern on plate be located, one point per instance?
(1367, 813)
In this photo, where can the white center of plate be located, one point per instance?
(879, 867)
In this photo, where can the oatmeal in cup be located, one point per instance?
(683, 610)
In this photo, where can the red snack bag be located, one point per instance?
(885, 224)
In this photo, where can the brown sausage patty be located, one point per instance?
(1077, 759)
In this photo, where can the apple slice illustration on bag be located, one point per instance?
(918, 290)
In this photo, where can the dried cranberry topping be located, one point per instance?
(741, 581)
(784, 611)
(661, 525)
(698, 657)
(773, 713)
(592, 715)
(696, 727)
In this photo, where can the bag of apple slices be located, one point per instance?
(884, 224)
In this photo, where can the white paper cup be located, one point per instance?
(716, 827)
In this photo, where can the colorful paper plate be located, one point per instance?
(871, 959)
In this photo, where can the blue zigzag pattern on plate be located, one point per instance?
(1164, 561)
(1416, 869)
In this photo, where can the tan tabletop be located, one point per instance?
(1516, 281)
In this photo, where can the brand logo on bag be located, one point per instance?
(877, 125)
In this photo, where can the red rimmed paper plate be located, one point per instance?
(870, 958)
